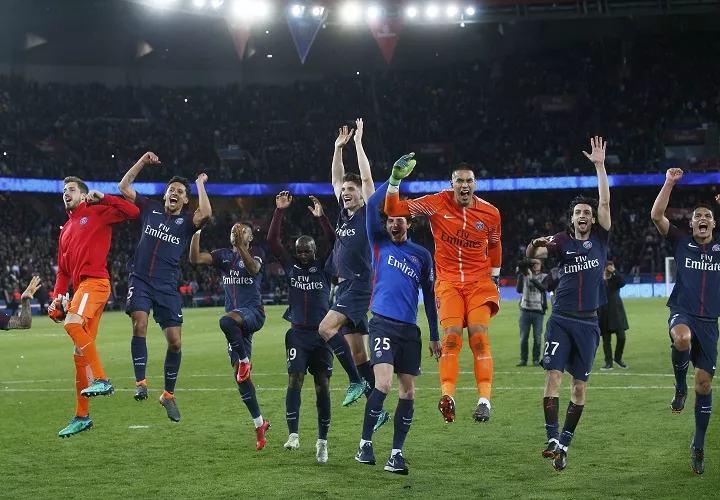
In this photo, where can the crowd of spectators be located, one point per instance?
(499, 116)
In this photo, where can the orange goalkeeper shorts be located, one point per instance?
(90, 298)
(461, 304)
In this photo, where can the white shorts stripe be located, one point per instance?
(83, 303)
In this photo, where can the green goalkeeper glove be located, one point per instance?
(402, 168)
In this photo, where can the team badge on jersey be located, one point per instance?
(414, 259)
(179, 221)
(313, 269)
(588, 245)
(480, 225)
(716, 248)
(83, 221)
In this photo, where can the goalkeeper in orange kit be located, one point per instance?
(468, 256)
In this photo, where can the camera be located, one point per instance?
(524, 266)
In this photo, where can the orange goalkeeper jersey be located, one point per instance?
(467, 240)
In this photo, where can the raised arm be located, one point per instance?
(537, 249)
(113, 208)
(129, 177)
(319, 213)
(282, 202)
(368, 186)
(657, 214)
(597, 156)
(196, 256)
(204, 210)
(373, 220)
(338, 168)
(252, 264)
(24, 321)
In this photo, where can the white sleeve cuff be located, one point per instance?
(393, 189)
(495, 271)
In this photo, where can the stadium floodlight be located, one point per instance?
(432, 11)
(163, 3)
(261, 9)
(411, 11)
(317, 11)
(216, 4)
(199, 3)
(297, 10)
(350, 13)
(452, 11)
(470, 11)
(373, 12)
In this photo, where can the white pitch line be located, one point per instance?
(343, 389)
(277, 374)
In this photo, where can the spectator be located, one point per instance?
(612, 318)
(532, 285)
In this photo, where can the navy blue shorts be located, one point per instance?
(396, 343)
(307, 351)
(352, 299)
(703, 340)
(252, 321)
(162, 296)
(571, 344)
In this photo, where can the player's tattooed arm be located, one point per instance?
(597, 157)
(124, 186)
(338, 168)
(368, 186)
(24, 321)
(196, 256)
(537, 249)
(204, 210)
(657, 214)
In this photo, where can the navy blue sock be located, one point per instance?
(703, 408)
(366, 372)
(247, 393)
(373, 407)
(172, 367)
(680, 361)
(323, 411)
(403, 419)
(233, 334)
(292, 409)
(574, 412)
(342, 350)
(138, 349)
(552, 426)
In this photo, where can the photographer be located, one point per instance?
(532, 285)
(612, 318)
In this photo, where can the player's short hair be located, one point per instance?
(705, 205)
(181, 180)
(461, 166)
(248, 224)
(584, 200)
(352, 177)
(77, 180)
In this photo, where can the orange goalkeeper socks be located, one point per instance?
(449, 365)
(483, 363)
(86, 345)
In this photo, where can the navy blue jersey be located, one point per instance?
(242, 289)
(697, 279)
(309, 294)
(582, 266)
(164, 239)
(350, 258)
(400, 270)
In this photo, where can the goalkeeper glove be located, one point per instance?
(402, 168)
(57, 310)
(496, 278)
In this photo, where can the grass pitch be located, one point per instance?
(628, 444)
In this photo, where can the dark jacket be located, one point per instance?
(612, 315)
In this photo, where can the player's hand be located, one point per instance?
(283, 199)
(344, 135)
(597, 153)
(316, 209)
(94, 196)
(673, 175)
(402, 168)
(541, 242)
(201, 179)
(435, 349)
(29, 292)
(57, 310)
(149, 158)
(358, 131)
